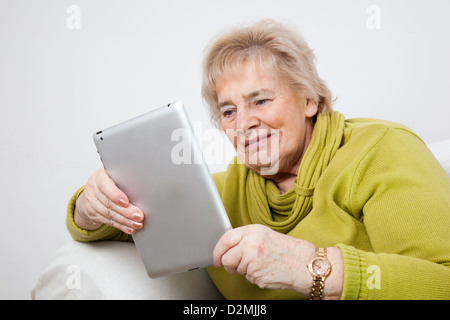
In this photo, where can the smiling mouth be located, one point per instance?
(257, 141)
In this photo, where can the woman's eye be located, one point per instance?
(228, 113)
(261, 102)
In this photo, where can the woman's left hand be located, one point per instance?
(269, 259)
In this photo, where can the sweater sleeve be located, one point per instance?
(404, 196)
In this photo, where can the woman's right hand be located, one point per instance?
(102, 202)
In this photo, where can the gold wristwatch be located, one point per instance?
(320, 268)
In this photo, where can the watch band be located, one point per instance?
(319, 281)
(317, 288)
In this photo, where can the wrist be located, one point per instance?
(302, 281)
(332, 283)
(335, 281)
(302, 277)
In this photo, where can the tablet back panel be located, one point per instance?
(156, 160)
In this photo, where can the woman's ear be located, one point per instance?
(311, 108)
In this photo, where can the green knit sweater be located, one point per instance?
(383, 199)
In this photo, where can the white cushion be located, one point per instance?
(114, 270)
(441, 151)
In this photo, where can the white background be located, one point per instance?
(58, 85)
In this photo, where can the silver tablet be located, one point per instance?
(156, 160)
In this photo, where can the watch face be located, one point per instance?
(320, 267)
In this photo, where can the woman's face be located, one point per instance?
(269, 125)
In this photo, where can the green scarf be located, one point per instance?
(282, 212)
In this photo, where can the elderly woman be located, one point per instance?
(322, 207)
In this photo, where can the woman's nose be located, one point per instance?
(246, 120)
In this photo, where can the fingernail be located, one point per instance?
(137, 225)
(137, 217)
(123, 203)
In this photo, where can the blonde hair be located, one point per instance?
(272, 44)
